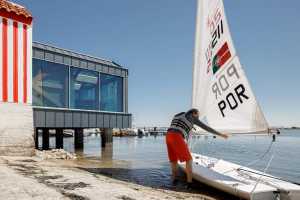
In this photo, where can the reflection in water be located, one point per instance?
(79, 153)
(139, 160)
(107, 152)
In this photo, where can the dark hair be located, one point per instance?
(193, 110)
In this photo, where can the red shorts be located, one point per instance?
(177, 147)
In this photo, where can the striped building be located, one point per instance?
(16, 119)
(15, 53)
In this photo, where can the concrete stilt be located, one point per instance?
(45, 138)
(106, 137)
(59, 138)
(103, 140)
(36, 138)
(78, 138)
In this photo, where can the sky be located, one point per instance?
(155, 41)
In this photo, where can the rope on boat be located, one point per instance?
(262, 156)
(269, 176)
(264, 172)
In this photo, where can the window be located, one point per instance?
(55, 85)
(37, 91)
(84, 89)
(111, 93)
(62, 86)
(50, 84)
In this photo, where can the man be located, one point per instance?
(179, 130)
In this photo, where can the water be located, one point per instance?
(144, 160)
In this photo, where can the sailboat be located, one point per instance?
(224, 98)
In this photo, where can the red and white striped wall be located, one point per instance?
(15, 61)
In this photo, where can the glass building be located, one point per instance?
(75, 90)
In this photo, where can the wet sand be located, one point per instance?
(34, 178)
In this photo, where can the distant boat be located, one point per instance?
(126, 132)
(224, 98)
(68, 133)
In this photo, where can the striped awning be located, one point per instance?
(15, 11)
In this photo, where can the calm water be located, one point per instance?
(145, 159)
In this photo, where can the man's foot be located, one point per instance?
(174, 181)
(190, 186)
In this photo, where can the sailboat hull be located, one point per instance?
(224, 176)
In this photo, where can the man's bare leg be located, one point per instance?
(189, 171)
(174, 170)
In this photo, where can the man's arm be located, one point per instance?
(207, 128)
(197, 122)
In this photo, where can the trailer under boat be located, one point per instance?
(241, 181)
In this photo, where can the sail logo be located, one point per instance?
(215, 39)
(221, 57)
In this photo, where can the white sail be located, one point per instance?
(221, 90)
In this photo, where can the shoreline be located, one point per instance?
(34, 178)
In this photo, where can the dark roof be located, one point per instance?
(71, 53)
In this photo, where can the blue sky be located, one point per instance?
(155, 40)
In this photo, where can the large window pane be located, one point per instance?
(49, 84)
(84, 89)
(55, 81)
(37, 92)
(111, 93)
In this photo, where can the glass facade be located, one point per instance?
(50, 84)
(111, 93)
(88, 89)
(84, 89)
(37, 96)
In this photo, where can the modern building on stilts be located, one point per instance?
(43, 88)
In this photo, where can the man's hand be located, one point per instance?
(224, 135)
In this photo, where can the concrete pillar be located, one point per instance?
(45, 138)
(78, 138)
(103, 140)
(59, 138)
(106, 137)
(36, 138)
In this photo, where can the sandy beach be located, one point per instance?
(34, 178)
